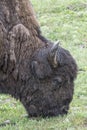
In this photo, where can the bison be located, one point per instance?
(33, 69)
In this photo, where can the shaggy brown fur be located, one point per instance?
(38, 72)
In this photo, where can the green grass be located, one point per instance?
(64, 20)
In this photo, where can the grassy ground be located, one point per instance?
(64, 20)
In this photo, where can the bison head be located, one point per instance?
(52, 71)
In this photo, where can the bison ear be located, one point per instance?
(53, 55)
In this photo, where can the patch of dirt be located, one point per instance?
(77, 6)
(85, 123)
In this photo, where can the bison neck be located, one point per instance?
(20, 37)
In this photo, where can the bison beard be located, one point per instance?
(34, 70)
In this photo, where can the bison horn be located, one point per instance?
(55, 46)
(53, 58)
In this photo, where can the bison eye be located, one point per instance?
(57, 82)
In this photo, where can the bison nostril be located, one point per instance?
(64, 109)
(33, 110)
(67, 101)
